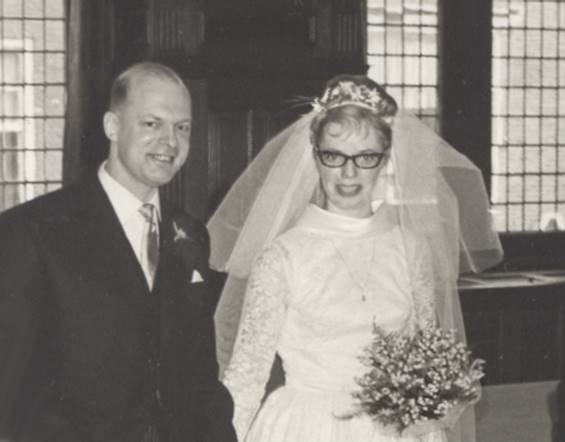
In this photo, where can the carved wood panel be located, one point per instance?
(518, 331)
(175, 28)
(247, 58)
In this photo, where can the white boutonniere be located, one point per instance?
(180, 234)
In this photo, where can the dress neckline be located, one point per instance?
(323, 222)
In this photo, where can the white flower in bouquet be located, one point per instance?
(416, 379)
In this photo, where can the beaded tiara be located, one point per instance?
(349, 93)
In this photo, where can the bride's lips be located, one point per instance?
(348, 189)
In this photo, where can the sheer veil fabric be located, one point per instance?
(434, 191)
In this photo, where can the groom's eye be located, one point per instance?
(150, 124)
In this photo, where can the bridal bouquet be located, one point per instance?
(416, 379)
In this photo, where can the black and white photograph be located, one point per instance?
(282, 221)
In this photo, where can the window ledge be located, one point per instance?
(511, 279)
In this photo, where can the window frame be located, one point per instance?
(22, 122)
(465, 72)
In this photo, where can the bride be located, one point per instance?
(345, 220)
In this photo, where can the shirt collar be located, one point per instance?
(125, 204)
(324, 222)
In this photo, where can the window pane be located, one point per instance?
(12, 8)
(516, 46)
(516, 188)
(11, 68)
(55, 35)
(12, 28)
(34, 31)
(550, 48)
(549, 160)
(32, 90)
(499, 186)
(40, 67)
(551, 15)
(531, 188)
(528, 161)
(516, 101)
(375, 41)
(393, 40)
(54, 129)
(549, 131)
(55, 9)
(548, 188)
(499, 215)
(11, 100)
(34, 8)
(515, 220)
(561, 188)
(54, 97)
(402, 47)
(548, 103)
(515, 159)
(531, 216)
(533, 42)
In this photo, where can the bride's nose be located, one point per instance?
(349, 169)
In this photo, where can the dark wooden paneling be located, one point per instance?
(518, 331)
(230, 148)
(175, 28)
(246, 62)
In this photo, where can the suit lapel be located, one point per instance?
(168, 280)
(108, 247)
(101, 250)
(172, 283)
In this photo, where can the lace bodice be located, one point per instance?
(313, 297)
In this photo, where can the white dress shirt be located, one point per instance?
(127, 205)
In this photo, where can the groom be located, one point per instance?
(105, 325)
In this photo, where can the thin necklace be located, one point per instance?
(361, 282)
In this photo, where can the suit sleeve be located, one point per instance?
(21, 287)
(214, 406)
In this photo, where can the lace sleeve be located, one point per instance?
(259, 331)
(424, 290)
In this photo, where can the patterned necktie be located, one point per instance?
(150, 251)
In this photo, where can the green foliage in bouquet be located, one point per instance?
(413, 379)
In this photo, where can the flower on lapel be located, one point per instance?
(188, 249)
(180, 234)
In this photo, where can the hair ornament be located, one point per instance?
(349, 93)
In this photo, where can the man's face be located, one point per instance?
(149, 134)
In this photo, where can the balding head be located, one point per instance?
(140, 71)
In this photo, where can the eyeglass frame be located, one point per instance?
(380, 155)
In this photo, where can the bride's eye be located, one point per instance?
(330, 156)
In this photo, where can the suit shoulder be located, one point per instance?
(43, 206)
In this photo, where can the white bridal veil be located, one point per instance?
(437, 192)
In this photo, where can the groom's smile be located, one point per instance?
(162, 159)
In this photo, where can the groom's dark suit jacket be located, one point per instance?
(87, 352)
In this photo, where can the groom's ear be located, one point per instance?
(111, 125)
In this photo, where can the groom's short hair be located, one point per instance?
(122, 83)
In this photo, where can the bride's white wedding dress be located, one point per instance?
(313, 297)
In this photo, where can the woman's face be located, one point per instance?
(349, 189)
